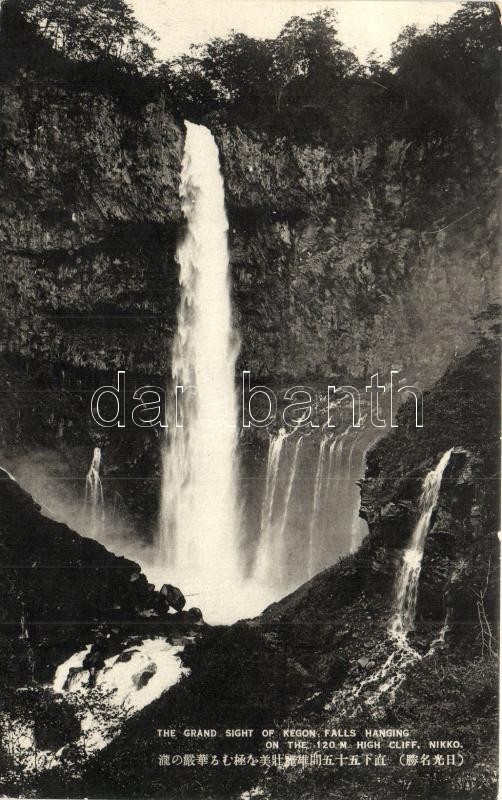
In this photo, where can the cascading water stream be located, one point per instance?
(387, 679)
(289, 489)
(316, 507)
(310, 486)
(265, 553)
(94, 498)
(336, 472)
(405, 601)
(278, 552)
(126, 683)
(199, 528)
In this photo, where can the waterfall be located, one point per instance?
(199, 522)
(386, 680)
(353, 544)
(316, 507)
(332, 449)
(94, 499)
(265, 557)
(335, 473)
(289, 489)
(407, 580)
(310, 487)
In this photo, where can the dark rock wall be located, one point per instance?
(342, 262)
(350, 262)
(88, 225)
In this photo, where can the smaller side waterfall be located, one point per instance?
(387, 679)
(407, 580)
(287, 498)
(316, 508)
(310, 506)
(94, 498)
(266, 550)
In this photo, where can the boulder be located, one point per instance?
(338, 671)
(173, 596)
(195, 615)
(142, 678)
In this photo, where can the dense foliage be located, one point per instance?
(304, 83)
(85, 30)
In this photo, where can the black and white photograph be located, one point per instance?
(250, 319)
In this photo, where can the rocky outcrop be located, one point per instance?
(61, 591)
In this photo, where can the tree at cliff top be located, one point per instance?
(447, 76)
(282, 83)
(84, 30)
(305, 84)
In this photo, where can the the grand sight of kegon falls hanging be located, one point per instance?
(249, 420)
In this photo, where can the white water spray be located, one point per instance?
(127, 683)
(200, 522)
(94, 499)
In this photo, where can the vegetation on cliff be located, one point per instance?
(304, 84)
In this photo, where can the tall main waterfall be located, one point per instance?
(200, 520)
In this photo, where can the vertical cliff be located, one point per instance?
(343, 263)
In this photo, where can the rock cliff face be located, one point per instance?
(353, 256)
(460, 558)
(350, 262)
(89, 214)
(343, 263)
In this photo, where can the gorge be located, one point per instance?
(291, 571)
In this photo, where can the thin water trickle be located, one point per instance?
(94, 498)
(266, 544)
(271, 560)
(316, 505)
